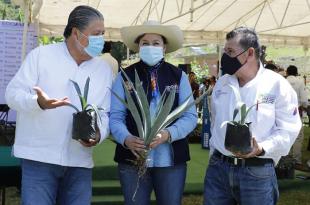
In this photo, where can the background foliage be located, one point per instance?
(9, 11)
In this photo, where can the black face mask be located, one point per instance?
(231, 65)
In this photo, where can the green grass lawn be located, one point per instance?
(292, 192)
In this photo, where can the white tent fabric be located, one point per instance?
(278, 22)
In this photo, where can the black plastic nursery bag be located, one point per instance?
(238, 138)
(84, 125)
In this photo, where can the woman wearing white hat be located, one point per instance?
(169, 153)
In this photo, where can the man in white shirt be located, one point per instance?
(56, 169)
(302, 95)
(232, 177)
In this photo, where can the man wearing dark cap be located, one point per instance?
(302, 95)
(56, 169)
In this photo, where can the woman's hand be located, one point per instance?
(162, 137)
(135, 144)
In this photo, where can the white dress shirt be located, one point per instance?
(45, 135)
(275, 120)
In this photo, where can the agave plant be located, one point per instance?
(244, 111)
(147, 127)
(84, 120)
(238, 137)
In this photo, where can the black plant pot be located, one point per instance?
(238, 138)
(84, 125)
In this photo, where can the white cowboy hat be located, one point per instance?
(172, 33)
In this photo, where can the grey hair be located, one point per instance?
(248, 38)
(80, 17)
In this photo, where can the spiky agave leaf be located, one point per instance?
(86, 88)
(78, 90)
(176, 113)
(96, 110)
(130, 105)
(162, 115)
(144, 108)
(136, 117)
(139, 105)
(235, 113)
(160, 104)
(249, 109)
(73, 106)
(242, 113)
(135, 112)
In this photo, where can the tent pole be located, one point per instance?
(192, 10)
(127, 54)
(220, 52)
(27, 6)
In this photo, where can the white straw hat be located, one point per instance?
(172, 33)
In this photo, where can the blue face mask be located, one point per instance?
(151, 54)
(95, 45)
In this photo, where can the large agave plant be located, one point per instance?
(147, 127)
(84, 120)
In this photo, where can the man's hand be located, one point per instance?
(135, 144)
(92, 142)
(160, 138)
(256, 150)
(47, 103)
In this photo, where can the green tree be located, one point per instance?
(8, 11)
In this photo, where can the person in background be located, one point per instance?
(272, 67)
(106, 56)
(302, 95)
(234, 178)
(203, 87)
(194, 84)
(55, 168)
(166, 162)
(212, 81)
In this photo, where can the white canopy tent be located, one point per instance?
(278, 22)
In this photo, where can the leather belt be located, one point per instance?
(255, 161)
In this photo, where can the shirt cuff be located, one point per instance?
(267, 146)
(173, 133)
(103, 135)
(34, 105)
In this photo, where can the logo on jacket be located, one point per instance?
(267, 98)
(218, 93)
(170, 87)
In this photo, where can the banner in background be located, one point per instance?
(11, 35)
(206, 124)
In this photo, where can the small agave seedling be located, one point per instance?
(238, 137)
(244, 111)
(84, 120)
